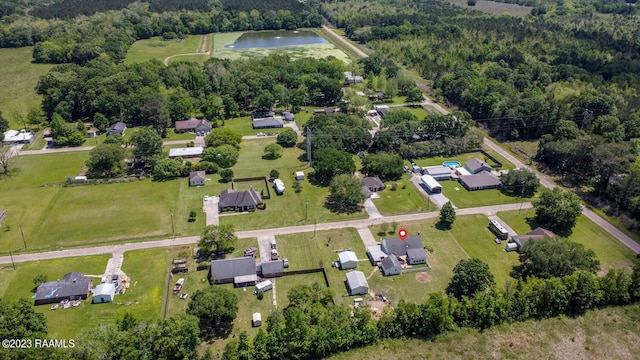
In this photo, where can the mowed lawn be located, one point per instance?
(288, 209)
(158, 49)
(55, 216)
(405, 199)
(611, 252)
(18, 80)
(308, 252)
(463, 198)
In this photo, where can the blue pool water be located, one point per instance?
(451, 163)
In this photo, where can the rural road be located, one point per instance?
(361, 223)
(344, 42)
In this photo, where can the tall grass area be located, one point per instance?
(158, 49)
(18, 80)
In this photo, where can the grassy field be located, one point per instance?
(18, 80)
(405, 199)
(306, 252)
(463, 158)
(313, 50)
(464, 198)
(611, 252)
(492, 7)
(158, 49)
(418, 111)
(242, 125)
(611, 333)
(54, 216)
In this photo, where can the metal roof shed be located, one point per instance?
(256, 319)
(348, 260)
(357, 283)
(104, 293)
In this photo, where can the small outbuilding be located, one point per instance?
(197, 178)
(256, 319)
(375, 254)
(357, 283)
(431, 184)
(348, 260)
(270, 269)
(299, 175)
(416, 256)
(104, 293)
(391, 266)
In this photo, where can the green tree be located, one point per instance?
(265, 100)
(212, 107)
(166, 169)
(447, 216)
(106, 160)
(329, 162)
(217, 239)
(272, 152)
(35, 118)
(546, 258)
(59, 127)
(345, 194)
(114, 139)
(226, 175)
(469, 277)
(223, 136)
(383, 164)
(245, 347)
(20, 320)
(557, 210)
(215, 307)
(520, 182)
(274, 174)
(39, 279)
(147, 143)
(154, 111)
(224, 155)
(4, 123)
(287, 138)
(101, 123)
(261, 346)
(414, 95)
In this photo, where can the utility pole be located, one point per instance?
(306, 209)
(308, 146)
(23, 240)
(521, 197)
(173, 229)
(315, 222)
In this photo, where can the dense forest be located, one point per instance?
(526, 79)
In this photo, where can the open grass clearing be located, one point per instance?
(243, 126)
(405, 199)
(463, 198)
(418, 111)
(18, 80)
(158, 49)
(611, 333)
(199, 58)
(611, 252)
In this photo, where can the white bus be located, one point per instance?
(497, 228)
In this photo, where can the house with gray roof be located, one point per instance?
(267, 122)
(416, 256)
(357, 283)
(288, 116)
(239, 271)
(480, 181)
(398, 247)
(72, 286)
(390, 266)
(475, 166)
(197, 178)
(270, 269)
(375, 254)
(373, 183)
(117, 128)
(246, 200)
(537, 233)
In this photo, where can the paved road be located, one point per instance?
(362, 223)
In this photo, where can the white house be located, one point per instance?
(104, 293)
(188, 152)
(348, 260)
(391, 266)
(357, 283)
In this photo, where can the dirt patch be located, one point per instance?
(423, 277)
(376, 307)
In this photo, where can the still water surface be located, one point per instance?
(266, 39)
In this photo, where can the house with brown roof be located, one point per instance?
(193, 124)
(231, 200)
(475, 166)
(373, 183)
(535, 234)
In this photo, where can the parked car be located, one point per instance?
(274, 254)
(251, 251)
(261, 134)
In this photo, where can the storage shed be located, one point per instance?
(357, 283)
(348, 260)
(431, 184)
(104, 293)
(256, 320)
(437, 172)
(375, 254)
(299, 175)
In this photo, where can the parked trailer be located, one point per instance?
(497, 228)
(263, 286)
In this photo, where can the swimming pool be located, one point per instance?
(451, 164)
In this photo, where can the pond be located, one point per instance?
(268, 39)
